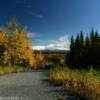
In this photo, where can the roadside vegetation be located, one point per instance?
(78, 70)
(84, 83)
(16, 52)
(7, 70)
(81, 73)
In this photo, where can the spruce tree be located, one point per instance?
(71, 53)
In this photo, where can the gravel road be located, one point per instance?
(26, 86)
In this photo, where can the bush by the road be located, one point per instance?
(85, 83)
(12, 69)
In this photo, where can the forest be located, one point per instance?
(77, 70)
(16, 48)
(85, 50)
(81, 72)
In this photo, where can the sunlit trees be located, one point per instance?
(40, 58)
(22, 53)
(15, 47)
(4, 48)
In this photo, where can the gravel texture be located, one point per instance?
(26, 86)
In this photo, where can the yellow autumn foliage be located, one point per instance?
(16, 49)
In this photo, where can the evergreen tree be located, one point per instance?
(77, 52)
(81, 40)
(86, 52)
(96, 49)
(81, 51)
(70, 57)
(72, 44)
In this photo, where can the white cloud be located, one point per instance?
(39, 47)
(61, 43)
(40, 16)
(33, 35)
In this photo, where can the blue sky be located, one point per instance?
(52, 22)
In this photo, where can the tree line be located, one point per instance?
(84, 50)
(16, 48)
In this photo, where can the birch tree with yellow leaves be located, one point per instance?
(16, 48)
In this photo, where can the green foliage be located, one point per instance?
(53, 59)
(84, 51)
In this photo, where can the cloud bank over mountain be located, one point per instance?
(62, 43)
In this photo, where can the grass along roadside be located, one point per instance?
(85, 83)
(10, 69)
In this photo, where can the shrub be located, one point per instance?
(85, 83)
(12, 69)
